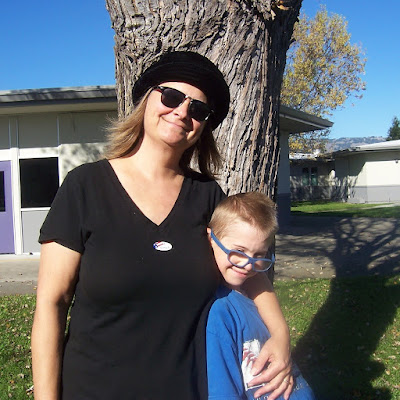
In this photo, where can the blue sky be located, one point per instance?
(54, 43)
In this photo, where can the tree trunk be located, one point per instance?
(247, 40)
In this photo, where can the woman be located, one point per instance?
(123, 238)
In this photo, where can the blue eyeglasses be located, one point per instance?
(240, 259)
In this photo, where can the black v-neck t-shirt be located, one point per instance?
(144, 290)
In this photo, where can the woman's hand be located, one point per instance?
(272, 369)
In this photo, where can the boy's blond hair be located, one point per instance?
(255, 208)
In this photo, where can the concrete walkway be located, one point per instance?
(327, 247)
(18, 274)
(311, 247)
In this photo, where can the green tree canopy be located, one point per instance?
(323, 69)
(394, 130)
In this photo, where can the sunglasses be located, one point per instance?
(240, 259)
(173, 98)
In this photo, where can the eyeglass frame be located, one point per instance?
(252, 260)
(162, 88)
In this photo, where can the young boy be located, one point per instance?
(241, 231)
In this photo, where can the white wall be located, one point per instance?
(283, 195)
(4, 133)
(37, 130)
(382, 169)
(356, 170)
(74, 137)
(371, 177)
(75, 154)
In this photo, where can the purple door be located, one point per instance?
(6, 214)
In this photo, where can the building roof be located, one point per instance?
(295, 121)
(104, 97)
(390, 145)
(58, 99)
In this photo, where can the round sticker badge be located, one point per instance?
(162, 246)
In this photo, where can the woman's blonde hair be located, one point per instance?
(255, 208)
(125, 134)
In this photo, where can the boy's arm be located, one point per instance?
(274, 361)
(223, 371)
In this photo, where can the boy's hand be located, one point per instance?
(273, 365)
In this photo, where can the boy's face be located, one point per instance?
(246, 238)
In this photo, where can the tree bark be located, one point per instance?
(247, 40)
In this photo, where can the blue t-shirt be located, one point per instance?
(235, 335)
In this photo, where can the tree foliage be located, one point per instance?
(309, 143)
(394, 130)
(323, 69)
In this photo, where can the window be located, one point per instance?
(39, 181)
(309, 176)
(2, 192)
(305, 177)
(314, 176)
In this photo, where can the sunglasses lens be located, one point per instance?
(172, 98)
(199, 110)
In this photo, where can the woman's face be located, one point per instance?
(173, 126)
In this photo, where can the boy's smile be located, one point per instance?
(243, 237)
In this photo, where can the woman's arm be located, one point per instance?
(58, 273)
(274, 360)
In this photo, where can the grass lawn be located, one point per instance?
(16, 315)
(324, 208)
(345, 337)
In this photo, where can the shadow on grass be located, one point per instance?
(335, 352)
(366, 247)
(353, 246)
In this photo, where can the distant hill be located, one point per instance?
(347, 142)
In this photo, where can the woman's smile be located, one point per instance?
(173, 126)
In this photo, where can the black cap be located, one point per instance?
(192, 68)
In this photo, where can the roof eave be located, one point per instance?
(58, 99)
(296, 121)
